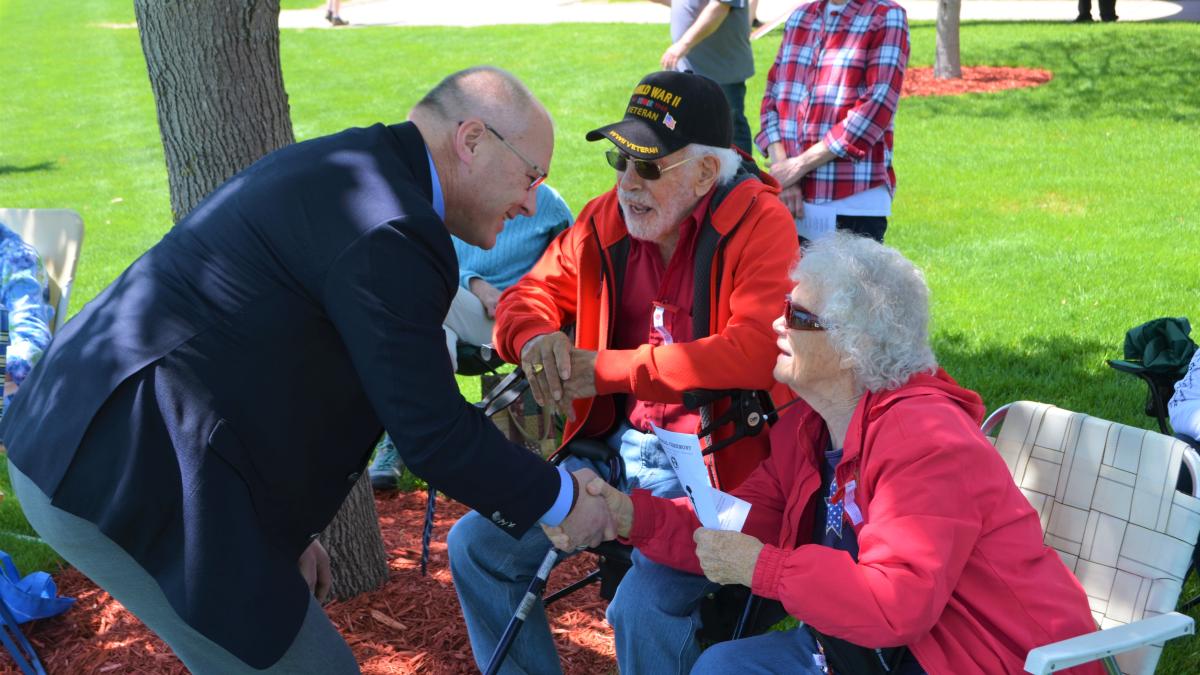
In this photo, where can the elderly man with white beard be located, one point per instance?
(671, 281)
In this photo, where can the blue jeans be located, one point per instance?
(655, 615)
(491, 570)
(735, 93)
(789, 651)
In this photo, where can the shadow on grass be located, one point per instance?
(1062, 370)
(1143, 72)
(6, 169)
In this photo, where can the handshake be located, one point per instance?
(558, 373)
(600, 513)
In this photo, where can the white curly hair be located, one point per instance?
(875, 305)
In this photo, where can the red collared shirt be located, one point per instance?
(649, 283)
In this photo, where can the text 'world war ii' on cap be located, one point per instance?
(668, 111)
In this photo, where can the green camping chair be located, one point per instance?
(1158, 352)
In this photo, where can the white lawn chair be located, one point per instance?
(57, 235)
(1108, 504)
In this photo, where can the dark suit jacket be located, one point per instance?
(212, 407)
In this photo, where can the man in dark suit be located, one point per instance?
(193, 428)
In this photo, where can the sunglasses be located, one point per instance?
(646, 169)
(798, 318)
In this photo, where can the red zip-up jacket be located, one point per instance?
(951, 560)
(744, 250)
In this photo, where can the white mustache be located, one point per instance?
(628, 199)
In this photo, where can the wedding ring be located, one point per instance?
(537, 368)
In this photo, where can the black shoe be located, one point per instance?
(339, 21)
(329, 17)
(1084, 18)
(1109, 19)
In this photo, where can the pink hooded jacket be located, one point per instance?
(951, 560)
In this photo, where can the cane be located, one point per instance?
(532, 594)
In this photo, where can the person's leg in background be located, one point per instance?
(867, 226)
(317, 648)
(735, 93)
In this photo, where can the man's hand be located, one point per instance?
(582, 383)
(620, 506)
(793, 199)
(488, 294)
(588, 523)
(546, 360)
(727, 557)
(674, 53)
(314, 567)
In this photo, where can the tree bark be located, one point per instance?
(355, 547)
(946, 64)
(218, 88)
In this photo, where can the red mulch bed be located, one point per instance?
(975, 79)
(411, 625)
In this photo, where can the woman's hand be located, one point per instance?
(727, 557)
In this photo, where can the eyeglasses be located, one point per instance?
(798, 318)
(644, 168)
(539, 175)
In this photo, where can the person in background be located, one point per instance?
(25, 315)
(1108, 11)
(827, 114)
(712, 38)
(861, 522)
(1184, 406)
(482, 275)
(333, 13)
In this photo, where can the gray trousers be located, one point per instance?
(317, 649)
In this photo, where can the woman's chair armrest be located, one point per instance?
(1108, 642)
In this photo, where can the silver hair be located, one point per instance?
(875, 304)
(728, 157)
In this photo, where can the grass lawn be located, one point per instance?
(1048, 221)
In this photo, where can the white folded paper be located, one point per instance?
(716, 510)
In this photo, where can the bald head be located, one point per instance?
(485, 92)
(490, 140)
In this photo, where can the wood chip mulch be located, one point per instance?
(411, 625)
(975, 80)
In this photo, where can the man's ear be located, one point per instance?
(467, 138)
(710, 168)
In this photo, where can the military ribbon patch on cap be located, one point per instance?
(669, 122)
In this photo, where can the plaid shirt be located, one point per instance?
(838, 84)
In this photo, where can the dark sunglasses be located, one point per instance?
(798, 318)
(645, 168)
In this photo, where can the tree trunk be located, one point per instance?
(946, 64)
(355, 546)
(214, 69)
(218, 88)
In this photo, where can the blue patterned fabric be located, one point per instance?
(25, 315)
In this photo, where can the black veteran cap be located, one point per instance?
(669, 110)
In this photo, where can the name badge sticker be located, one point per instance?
(848, 504)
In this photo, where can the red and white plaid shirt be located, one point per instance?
(839, 84)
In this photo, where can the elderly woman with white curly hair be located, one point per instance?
(883, 519)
